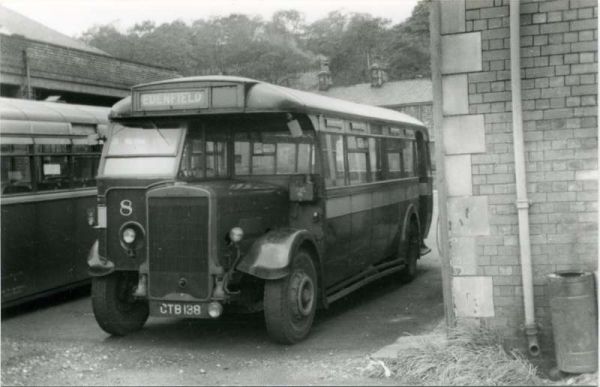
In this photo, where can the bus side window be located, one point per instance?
(376, 159)
(85, 165)
(53, 169)
(357, 159)
(408, 158)
(15, 170)
(394, 158)
(333, 159)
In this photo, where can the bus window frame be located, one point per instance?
(229, 149)
(35, 156)
(405, 134)
(312, 144)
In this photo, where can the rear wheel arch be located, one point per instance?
(411, 214)
(411, 250)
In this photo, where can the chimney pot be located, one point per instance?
(324, 75)
(378, 74)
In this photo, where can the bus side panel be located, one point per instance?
(18, 251)
(44, 245)
(338, 241)
(361, 230)
(54, 242)
(390, 204)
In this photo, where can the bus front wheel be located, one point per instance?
(116, 310)
(290, 303)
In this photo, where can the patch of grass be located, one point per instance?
(470, 356)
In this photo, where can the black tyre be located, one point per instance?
(411, 253)
(115, 309)
(290, 303)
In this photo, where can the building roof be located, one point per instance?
(55, 67)
(13, 23)
(391, 93)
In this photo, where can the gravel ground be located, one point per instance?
(27, 362)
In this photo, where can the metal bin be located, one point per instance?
(574, 320)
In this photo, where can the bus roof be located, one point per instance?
(20, 116)
(263, 97)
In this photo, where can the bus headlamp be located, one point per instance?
(236, 234)
(131, 236)
(128, 235)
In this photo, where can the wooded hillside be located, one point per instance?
(272, 50)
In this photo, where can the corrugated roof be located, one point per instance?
(391, 93)
(13, 23)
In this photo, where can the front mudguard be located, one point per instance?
(271, 255)
(98, 265)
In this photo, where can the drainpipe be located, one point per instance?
(521, 183)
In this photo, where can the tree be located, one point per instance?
(278, 48)
(108, 39)
(408, 45)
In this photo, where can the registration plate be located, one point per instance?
(177, 309)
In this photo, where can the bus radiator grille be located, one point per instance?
(178, 244)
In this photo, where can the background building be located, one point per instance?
(559, 85)
(37, 62)
(412, 96)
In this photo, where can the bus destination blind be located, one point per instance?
(166, 100)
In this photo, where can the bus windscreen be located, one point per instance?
(126, 141)
(141, 152)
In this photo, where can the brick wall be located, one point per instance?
(49, 61)
(559, 96)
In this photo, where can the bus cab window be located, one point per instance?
(242, 157)
(203, 159)
(333, 159)
(216, 158)
(286, 158)
(263, 158)
(16, 174)
(305, 158)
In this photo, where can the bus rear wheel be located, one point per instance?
(412, 253)
(290, 303)
(116, 310)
